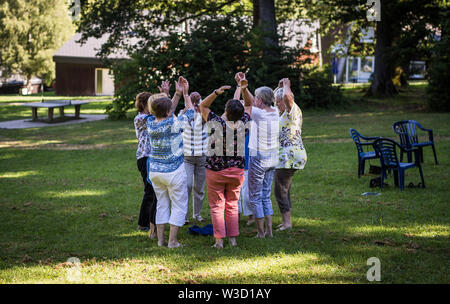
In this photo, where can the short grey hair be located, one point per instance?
(266, 95)
(279, 93)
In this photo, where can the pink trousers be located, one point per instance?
(224, 188)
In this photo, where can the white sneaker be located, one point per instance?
(199, 218)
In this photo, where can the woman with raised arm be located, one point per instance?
(147, 212)
(165, 164)
(292, 153)
(263, 146)
(244, 197)
(225, 164)
(194, 142)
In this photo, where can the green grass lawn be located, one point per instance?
(75, 191)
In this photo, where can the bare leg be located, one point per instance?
(268, 232)
(173, 237)
(160, 232)
(260, 227)
(287, 219)
(287, 223)
(251, 220)
(152, 234)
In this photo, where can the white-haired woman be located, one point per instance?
(292, 153)
(263, 146)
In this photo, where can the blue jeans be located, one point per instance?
(260, 177)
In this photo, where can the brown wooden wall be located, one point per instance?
(74, 79)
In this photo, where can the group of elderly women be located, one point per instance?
(255, 142)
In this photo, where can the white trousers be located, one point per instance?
(171, 193)
(244, 198)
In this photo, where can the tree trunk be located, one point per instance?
(264, 19)
(382, 85)
(29, 88)
(256, 19)
(268, 22)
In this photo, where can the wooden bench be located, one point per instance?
(52, 104)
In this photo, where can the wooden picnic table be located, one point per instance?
(52, 104)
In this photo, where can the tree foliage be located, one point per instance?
(222, 39)
(439, 73)
(31, 31)
(208, 55)
(402, 34)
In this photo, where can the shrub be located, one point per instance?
(209, 56)
(316, 89)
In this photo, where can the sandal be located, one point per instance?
(283, 228)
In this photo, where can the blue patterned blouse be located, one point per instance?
(140, 127)
(166, 142)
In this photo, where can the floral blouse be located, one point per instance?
(292, 153)
(140, 126)
(218, 163)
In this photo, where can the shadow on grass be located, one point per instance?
(84, 204)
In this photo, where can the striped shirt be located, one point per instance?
(195, 139)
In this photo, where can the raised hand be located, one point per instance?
(184, 84)
(220, 90)
(165, 87)
(280, 83)
(237, 78)
(286, 82)
(178, 87)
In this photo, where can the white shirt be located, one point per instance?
(264, 133)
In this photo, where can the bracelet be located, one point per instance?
(215, 92)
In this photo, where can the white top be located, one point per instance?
(194, 139)
(264, 133)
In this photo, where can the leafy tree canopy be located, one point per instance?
(31, 31)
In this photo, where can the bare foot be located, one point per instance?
(259, 236)
(163, 244)
(269, 235)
